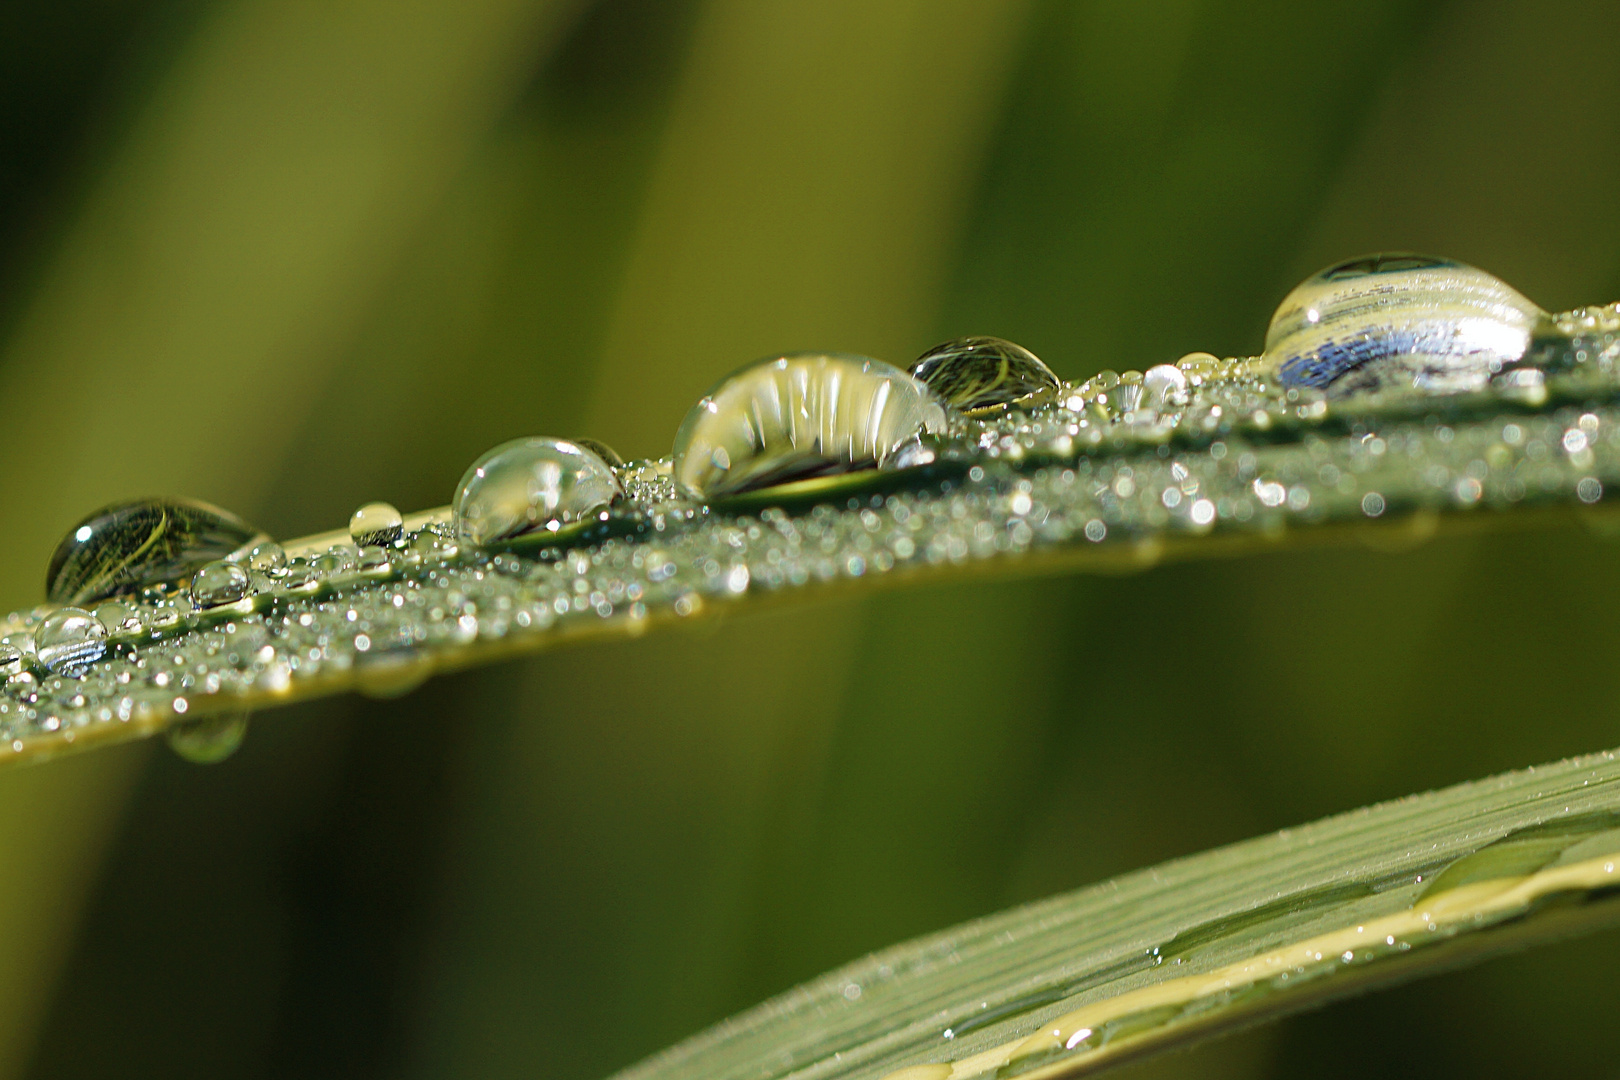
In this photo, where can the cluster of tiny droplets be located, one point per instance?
(1118, 463)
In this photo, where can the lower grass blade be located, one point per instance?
(1203, 945)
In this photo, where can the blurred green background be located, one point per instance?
(294, 255)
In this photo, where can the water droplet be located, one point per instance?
(980, 374)
(1165, 386)
(601, 450)
(210, 740)
(268, 557)
(70, 639)
(375, 524)
(337, 559)
(12, 659)
(1399, 321)
(117, 616)
(529, 485)
(218, 583)
(125, 547)
(802, 416)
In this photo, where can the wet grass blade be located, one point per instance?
(1202, 945)
(1010, 495)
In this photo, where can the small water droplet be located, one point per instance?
(117, 616)
(980, 374)
(1165, 386)
(217, 583)
(337, 559)
(69, 640)
(375, 524)
(1399, 321)
(798, 417)
(268, 557)
(12, 659)
(128, 546)
(530, 485)
(210, 740)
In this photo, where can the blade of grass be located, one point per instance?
(1202, 945)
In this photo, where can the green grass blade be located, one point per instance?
(1202, 945)
(1068, 486)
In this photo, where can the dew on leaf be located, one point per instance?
(128, 546)
(208, 740)
(802, 416)
(68, 639)
(1399, 321)
(979, 374)
(218, 582)
(530, 485)
(375, 524)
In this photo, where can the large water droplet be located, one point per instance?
(1399, 321)
(530, 485)
(979, 374)
(126, 547)
(800, 416)
(210, 740)
(375, 524)
(217, 583)
(69, 639)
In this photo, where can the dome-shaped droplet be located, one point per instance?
(801, 416)
(977, 374)
(210, 740)
(218, 582)
(13, 659)
(1399, 321)
(530, 485)
(126, 547)
(268, 557)
(69, 639)
(375, 524)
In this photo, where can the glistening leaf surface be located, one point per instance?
(1200, 945)
(1116, 473)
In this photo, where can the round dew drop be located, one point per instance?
(128, 546)
(376, 524)
(1399, 321)
(802, 416)
(69, 640)
(530, 485)
(218, 583)
(982, 374)
(210, 740)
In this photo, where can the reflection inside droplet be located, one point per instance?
(801, 416)
(128, 546)
(375, 524)
(1399, 321)
(69, 639)
(978, 374)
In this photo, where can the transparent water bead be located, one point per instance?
(267, 557)
(800, 416)
(981, 374)
(210, 740)
(1399, 321)
(218, 583)
(375, 524)
(530, 485)
(68, 639)
(128, 546)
